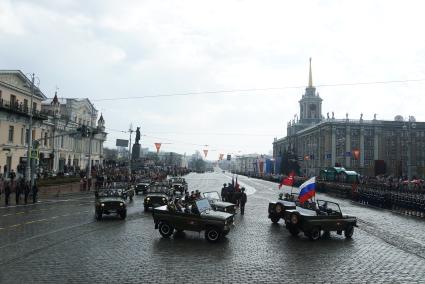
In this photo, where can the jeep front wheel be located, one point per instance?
(314, 234)
(123, 214)
(349, 232)
(294, 231)
(98, 216)
(165, 229)
(275, 219)
(212, 235)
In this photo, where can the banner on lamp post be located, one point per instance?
(205, 152)
(221, 157)
(356, 154)
(157, 146)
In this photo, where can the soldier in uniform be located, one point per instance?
(26, 192)
(7, 192)
(243, 200)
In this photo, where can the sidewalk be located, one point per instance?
(49, 192)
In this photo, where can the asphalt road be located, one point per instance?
(60, 241)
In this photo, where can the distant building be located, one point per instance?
(370, 147)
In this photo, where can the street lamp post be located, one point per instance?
(29, 175)
(407, 127)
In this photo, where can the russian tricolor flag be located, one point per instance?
(307, 190)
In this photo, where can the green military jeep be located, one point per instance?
(326, 218)
(198, 217)
(110, 201)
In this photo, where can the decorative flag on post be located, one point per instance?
(356, 154)
(158, 146)
(221, 157)
(307, 190)
(289, 180)
(205, 152)
(236, 184)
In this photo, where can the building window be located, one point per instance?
(45, 138)
(33, 136)
(11, 133)
(12, 100)
(25, 105)
(61, 141)
(22, 136)
(27, 136)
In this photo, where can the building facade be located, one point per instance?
(55, 126)
(370, 147)
(15, 109)
(66, 149)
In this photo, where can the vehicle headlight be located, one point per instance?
(121, 204)
(225, 210)
(164, 199)
(102, 204)
(147, 199)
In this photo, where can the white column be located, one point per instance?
(348, 146)
(362, 147)
(333, 146)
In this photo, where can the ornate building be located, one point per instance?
(67, 148)
(15, 109)
(370, 147)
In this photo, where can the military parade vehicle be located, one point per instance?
(142, 186)
(217, 204)
(326, 217)
(197, 217)
(277, 209)
(157, 195)
(178, 184)
(110, 201)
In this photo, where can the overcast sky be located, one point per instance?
(117, 49)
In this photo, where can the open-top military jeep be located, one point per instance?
(157, 195)
(110, 201)
(178, 184)
(325, 218)
(142, 186)
(197, 217)
(217, 204)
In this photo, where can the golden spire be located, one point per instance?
(310, 77)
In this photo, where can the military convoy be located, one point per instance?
(217, 204)
(110, 201)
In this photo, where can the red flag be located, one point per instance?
(221, 157)
(237, 184)
(205, 152)
(157, 146)
(289, 180)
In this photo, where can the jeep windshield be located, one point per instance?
(211, 195)
(203, 205)
(110, 193)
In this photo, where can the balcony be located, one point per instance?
(21, 109)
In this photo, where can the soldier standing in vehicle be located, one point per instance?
(243, 200)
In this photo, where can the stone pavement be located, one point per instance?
(77, 249)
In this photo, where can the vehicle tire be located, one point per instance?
(165, 229)
(123, 215)
(98, 216)
(275, 219)
(348, 233)
(278, 209)
(314, 234)
(212, 235)
(294, 231)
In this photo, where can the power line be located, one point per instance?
(259, 89)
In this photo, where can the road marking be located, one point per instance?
(65, 215)
(41, 220)
(54, 217)
(6, 215)
(30, 222)
(1, 228)
(20, 213)
(14, 226)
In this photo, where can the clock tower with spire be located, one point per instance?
(310, 103)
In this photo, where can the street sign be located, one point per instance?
(34, 154)
(121, 143)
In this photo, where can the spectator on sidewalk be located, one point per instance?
(34, 192)
(26, 191)
(18, 187)
(1, 184)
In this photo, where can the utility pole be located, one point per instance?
(129, 149)
(90, 133)
(29, 175)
